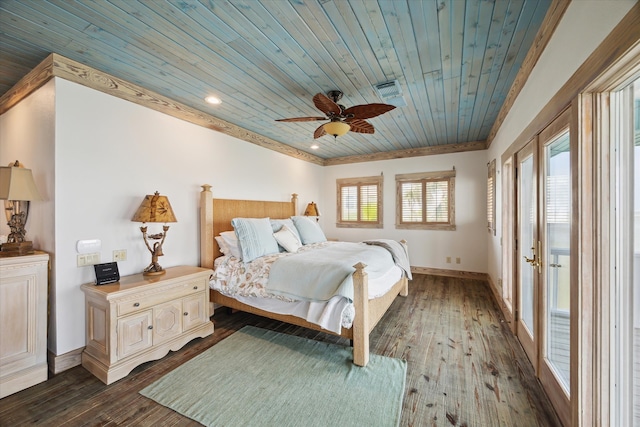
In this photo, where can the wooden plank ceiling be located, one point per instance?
(455, 60)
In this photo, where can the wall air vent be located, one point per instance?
(391, 93)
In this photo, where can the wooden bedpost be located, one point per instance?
(206, 227)
(405, 287)
(361, 321)
(294, 201)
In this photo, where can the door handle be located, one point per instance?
(533, 261)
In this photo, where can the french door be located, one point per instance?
(543, 256)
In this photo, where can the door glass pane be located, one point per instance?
(527, 217)
(557, 214)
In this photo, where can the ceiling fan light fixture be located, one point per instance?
(336, 128)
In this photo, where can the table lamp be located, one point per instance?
(312, 210)
(154, 208)
(17, 188)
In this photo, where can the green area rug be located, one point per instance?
(257, 377)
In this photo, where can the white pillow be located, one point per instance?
(222, 245)
(276, 225)
(287, 239)
(255, 236)
(232, 243)
(309, 230)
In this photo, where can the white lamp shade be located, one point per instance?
(17, 184)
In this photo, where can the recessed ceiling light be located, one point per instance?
(315, 146)
(213, 100)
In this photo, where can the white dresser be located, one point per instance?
(23, 321)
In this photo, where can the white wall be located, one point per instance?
(27, 134)
(584, 26)
(110, 153)
(427, 248)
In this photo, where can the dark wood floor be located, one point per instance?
(464, 368)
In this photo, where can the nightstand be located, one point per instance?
(141, 318)
(23, 321)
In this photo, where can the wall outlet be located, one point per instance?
(120, 255)
(88, 259)
(448, 260)
(457, 260)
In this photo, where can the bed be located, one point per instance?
(216, 216)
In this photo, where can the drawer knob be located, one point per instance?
(136, 304)
(186, 313)
(195, 288)
(150, 327)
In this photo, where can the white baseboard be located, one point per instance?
(62, 362)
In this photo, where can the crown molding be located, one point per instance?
(56, 65)
(410, 152)
(59, 66)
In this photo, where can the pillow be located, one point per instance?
(255, 236)
(277, 224)
(287, 239)
(309, 230)
(222, 245)
(231, 241)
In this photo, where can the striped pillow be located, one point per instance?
(255, 236)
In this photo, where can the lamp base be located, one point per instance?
(22, 248)
(153, 273)
(154, 269)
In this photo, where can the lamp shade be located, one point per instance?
(17, 184)
(154, 208)
(336, 128)
(312, 210)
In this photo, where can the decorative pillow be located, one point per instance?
(231, 240)
(309, 230)
(277, 224)
(255, 236)
(287, 239)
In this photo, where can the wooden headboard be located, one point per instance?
(216, 216)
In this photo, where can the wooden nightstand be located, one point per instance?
(140, 318)
(23, 321)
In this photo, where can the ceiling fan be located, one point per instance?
(341, 119)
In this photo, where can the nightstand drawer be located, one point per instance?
(158, 296)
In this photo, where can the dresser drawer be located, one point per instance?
(158, 296)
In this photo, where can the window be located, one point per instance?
(426, 200)
(491, 197)
(359, 202)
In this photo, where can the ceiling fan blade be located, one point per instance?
(301, 119)
(326, 105)
(367, 111)
(360, 126)
(319, 132)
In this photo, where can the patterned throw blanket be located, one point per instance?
(320, 274)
